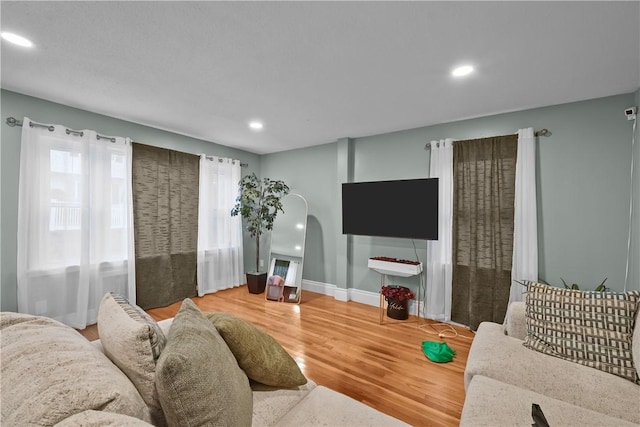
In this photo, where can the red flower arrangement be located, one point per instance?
(399, 293)
(396, 260)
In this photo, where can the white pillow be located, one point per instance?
(133, 341)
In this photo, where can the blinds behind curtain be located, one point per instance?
(165, 205)
(483, 217)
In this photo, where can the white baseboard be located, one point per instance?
(356, 295)
(318, 287)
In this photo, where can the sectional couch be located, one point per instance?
(190, 370)
(503, 377)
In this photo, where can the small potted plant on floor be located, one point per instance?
(397, 301)
(258, 203)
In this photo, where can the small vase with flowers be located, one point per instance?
(397, 298)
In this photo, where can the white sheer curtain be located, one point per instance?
(220, 254)
(439, 266)
(525, 231)
(75, 222)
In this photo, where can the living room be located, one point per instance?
(583, 167)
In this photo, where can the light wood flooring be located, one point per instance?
(342, 346)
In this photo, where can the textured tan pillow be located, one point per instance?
(50, 372)
(591, 328)
(133, 341)
(198, 379)
(260, 356)
(93, 418)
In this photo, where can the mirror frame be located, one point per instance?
(273, 256)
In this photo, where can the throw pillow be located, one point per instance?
(591, 328)
(258, 354)
(133, 341)
(199, 381)
(50, 372)
(92, 418)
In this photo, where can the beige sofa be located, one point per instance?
(503, 379)
(51, 375)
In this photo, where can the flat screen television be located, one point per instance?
(403, 208)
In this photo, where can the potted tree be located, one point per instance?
(259, 203)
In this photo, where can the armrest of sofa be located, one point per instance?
(165, 325)
(514, 321)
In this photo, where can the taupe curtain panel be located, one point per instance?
(165, 212)
(484, 172)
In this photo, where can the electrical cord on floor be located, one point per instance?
(448, 331)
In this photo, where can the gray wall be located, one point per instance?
(19, 106)
(311, 173)
(583, 190)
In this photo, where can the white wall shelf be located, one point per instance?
(395, 268)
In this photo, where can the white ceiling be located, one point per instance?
(314, 72)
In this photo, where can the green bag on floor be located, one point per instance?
(438, 352)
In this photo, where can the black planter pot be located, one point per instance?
(397, 309)
(256, 282)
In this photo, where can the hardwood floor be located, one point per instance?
(341, 345)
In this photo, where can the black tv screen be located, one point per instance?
(403, 208)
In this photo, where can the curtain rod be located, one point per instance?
(541, 132)
(220, 160)
(12, 121)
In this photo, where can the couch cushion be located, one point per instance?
(272, 403)
(133, 341)
(514, 322)
(590, 328)
(260, 356)
(492, 403)
(325, 407)
(198, 379)
(50, 372)
(495, 355)
(91, 418)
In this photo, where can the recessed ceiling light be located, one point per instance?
(16, 39)
(256, 125)
(462, 71)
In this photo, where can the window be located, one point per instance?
(75, 180)
(65, 179)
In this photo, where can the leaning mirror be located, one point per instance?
(284, 282)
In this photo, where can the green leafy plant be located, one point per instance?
(259, 203)
(600, 288)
